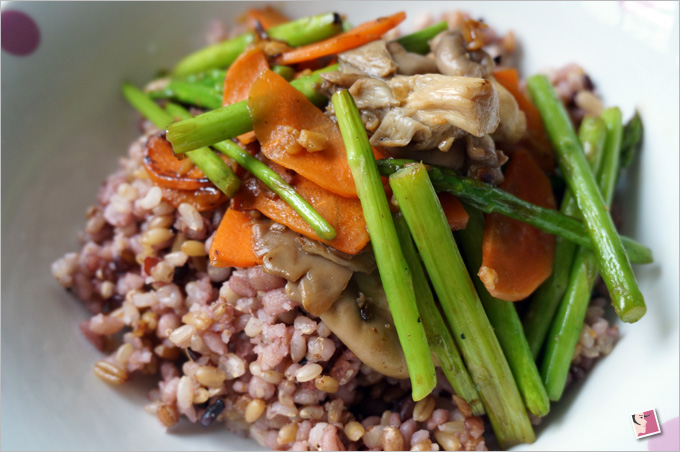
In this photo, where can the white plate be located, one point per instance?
(65, 124)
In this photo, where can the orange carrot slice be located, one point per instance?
(517, 257)
(538, 140)
(456, 215)
(279, 111)
(344, 214)
(363, 34)
(267, 17)
(242, 74)
(240, 77)
(205, 198)
(232, 245)
(165, 169)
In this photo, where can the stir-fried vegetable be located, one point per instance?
(358, 36)
(296, 33)
(544, 302)
(266, 17)
(214, 168)
(517, 257)
(456, 215)
(614, 265)
(489, 199)
(394, 271)
(539, 146)
(438, 334)
(505, 322)
(474, 334)
(281, 114)
(279, 186)
(271, 179)
(232, 120)
(240, 78)
(232, 245)
(566, 327)
(344, 215)
(418, 42)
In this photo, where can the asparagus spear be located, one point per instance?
(632, 136)
(489, 199)
(614, 265)
(418, 42)
(296, 33)
(213, 78)
(279, 186)
(393, 269)
(547, 298)
(230, 121)
(438, 334)
(566, 327)
(212, 166)
(286, 72)
(505, 322)
(190, 93)
(474, 335)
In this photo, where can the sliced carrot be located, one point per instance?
(241, 75)
(202, 199)
(279, 111)
(232, 245)
(239, 79)
(356, 37)
(517, 257)
(455, 213)
(166, 170)
(267, 17)
(538, 139)
(344, 214)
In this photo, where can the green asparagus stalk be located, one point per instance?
(232, 120)
(295, 33)
(489, 199)
(566, 327)
(212, 78)
(190, 93)
(286, 72)
(474, 335)
(614, 265)
(279, 186)
(547, 298)
(145, 106)
(393, 269)
(438, 334)
(418, 42)
(632, 136)
(212, 166)
(505, 321)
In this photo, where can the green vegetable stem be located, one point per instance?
(392, 266)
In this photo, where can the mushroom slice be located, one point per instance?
(372, 93)
(397, 129)
(371, 336)
(409, 63)
(513, 123)
(452, 58)
(468, 103)
(371, 59)
(319, 281)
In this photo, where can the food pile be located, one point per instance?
(328, 239)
